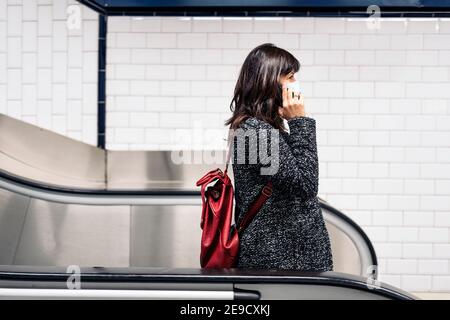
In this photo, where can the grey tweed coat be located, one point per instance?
(289, 231)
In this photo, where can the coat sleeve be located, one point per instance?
(296, 168)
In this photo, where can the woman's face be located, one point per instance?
(287, 78)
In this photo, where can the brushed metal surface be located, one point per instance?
(165, 236)
(137, 170)
(346, 257)
(13, 209)
(40, 155)
(56, 234)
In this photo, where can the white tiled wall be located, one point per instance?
(48, 72)
(380, 98)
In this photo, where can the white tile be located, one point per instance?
(175, 56)
(438, 203)
(359, 57)
(356, 186)
(359, 89)
(390, 89)
(404, 170)
(44, 52)
(441, 283)
(419, 186)
(329, 89)
(402, 266)
(187, 40)
(14, 20)
(144, 119)
(29, 36)
(251, 40)
(389, 154)
(74, 51)
(44, 114)
(90, 98)
(314, 41)
(14, 84)
(119, 24)
(131, 40)
(417, 250)
(59, 67)
(343, 138)
(176, 24)
(241, 24)
(294, 25)
(161, 40)
(286, 41)
(372, 202)
(145, 24)
(59, 98)
(45, 25)
(268, 25)
(129, 135)
(403, 202)
(131, 72)
(74, 115)
(434, 235)
(436, 41)
(404, 138)
(329, 26)
(388, 250)
(74, 84)
(214, 56)
(214, 40)
(89, 132)
(14, 52)
(418, 218)
(442, 219)
(174, 120)
(422, 57)
(29, 100)
(117, 119)
(373, 138)
(391, 186)
(405, 73)
(90, 67)
(416, 283)
(144, 88)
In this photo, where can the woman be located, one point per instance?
(289, 230)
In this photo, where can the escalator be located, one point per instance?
(131, 221)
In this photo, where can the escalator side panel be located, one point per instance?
(13, 208)
(165, 236)
(56, 234)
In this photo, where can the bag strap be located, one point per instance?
(231, 134)
(265, 194)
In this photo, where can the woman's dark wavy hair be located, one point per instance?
(258, 92)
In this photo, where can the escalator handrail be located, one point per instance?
(130, 276)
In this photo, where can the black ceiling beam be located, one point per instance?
(285, 8)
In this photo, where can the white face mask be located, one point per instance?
(295, 86)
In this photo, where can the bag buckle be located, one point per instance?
(267, 191)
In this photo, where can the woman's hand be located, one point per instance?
(292, 106)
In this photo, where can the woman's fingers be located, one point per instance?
(301, 100)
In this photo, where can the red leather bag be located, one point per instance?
(220, 239)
